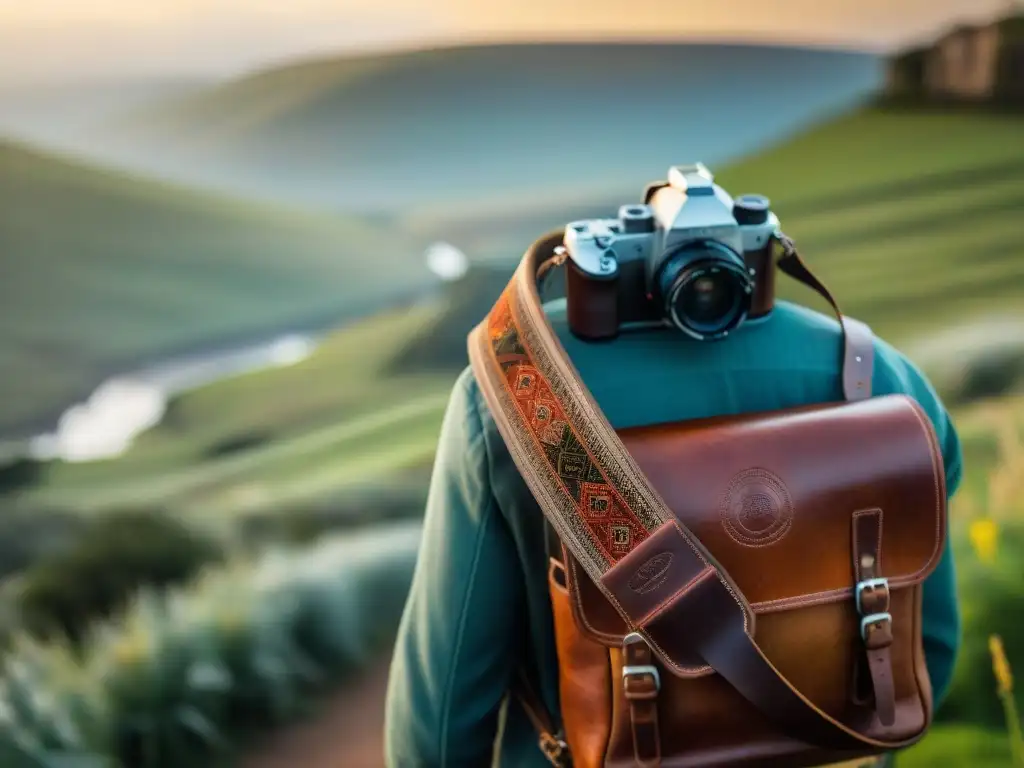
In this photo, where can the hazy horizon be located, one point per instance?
(49, 41)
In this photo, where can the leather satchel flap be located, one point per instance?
(772, 497)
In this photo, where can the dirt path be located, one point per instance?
(347, 734)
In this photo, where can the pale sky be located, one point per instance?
(45, 39)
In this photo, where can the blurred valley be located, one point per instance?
(144, 221)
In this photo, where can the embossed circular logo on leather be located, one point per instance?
(756, 509)
(651, 574)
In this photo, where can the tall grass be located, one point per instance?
(1004, 680)
(980, 721)
(189, 679)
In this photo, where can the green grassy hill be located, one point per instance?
(99, 270)
(313, 431)
(912, 219)
(457, 124)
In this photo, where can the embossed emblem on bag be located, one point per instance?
(756, 509)
(651, 574)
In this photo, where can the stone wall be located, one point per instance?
(969, 64)
(963, 64)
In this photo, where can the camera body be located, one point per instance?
(690, 256)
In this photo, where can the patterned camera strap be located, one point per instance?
(568, 453)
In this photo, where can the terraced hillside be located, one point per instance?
(912, 219)
(100, 270)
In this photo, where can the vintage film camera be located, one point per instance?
(690, 257)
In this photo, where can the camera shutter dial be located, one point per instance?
(750, 209)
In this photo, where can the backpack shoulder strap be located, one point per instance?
(566, 451)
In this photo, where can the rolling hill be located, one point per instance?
(64, 114)
(877, 201)
(450, 126)
(99, 271)
(911, 216)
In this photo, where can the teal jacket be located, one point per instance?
(479, 599)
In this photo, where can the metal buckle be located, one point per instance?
(869, 584)
(870, 619)
(643, 669)
(629, 670)
(555, 749)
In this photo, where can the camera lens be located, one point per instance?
(708, 300)
(706, 290)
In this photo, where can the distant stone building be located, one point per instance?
(969, 63)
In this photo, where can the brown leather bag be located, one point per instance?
(730, 591)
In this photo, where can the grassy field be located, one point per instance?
(326, 424)
(876, 201)
(986, 525)
(99, 270)
(912, 218)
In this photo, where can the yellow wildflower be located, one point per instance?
(985, 538)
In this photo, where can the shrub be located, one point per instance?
(990, 571)
(977, 360)
(991, 598)
(19, 474)
(26, 535)
(115, 555)
(187, 678)
(304, 525)
(997, 372)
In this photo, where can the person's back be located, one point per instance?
(479, 605)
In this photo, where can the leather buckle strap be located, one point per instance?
(643, 673)
(872, 596)
(641, 684)
(876, 630)
(872, 599)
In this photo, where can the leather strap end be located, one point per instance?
(873, 600)
(641, 683)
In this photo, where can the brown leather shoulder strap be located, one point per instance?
(574, 463)
(858, 341)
